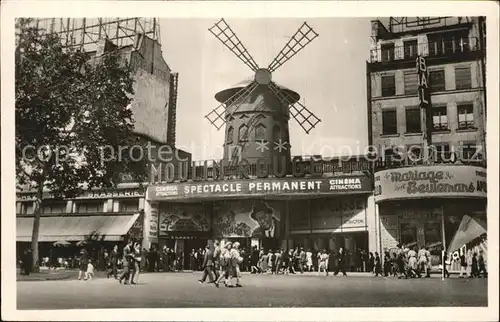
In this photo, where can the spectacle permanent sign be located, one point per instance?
(283, 186)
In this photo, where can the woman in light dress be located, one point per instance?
(264, 262)
(412, 262)
(309, 260)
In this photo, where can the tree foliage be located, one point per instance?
(72, 118)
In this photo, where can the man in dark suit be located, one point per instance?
(208, 265)
(341, 258)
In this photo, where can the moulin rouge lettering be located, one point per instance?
(433, 185)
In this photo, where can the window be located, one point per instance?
(230, 135)
(389, 122)
(276, 133)
(50, 207)
(411, 83)
(414, 153)
(89, 206)
(410, 48)
(388, 85)
(413, 120)
(390, 155)
(129, 205)
(448, 43)
(463, 78)
(243, 133)
(439, 118)
(387, 52)
(465, 116)
(26, 208)
(437, 80)
(260, 132)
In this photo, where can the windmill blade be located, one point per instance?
(225, 34)
(306, 119)
(217, 115)
(297, 42)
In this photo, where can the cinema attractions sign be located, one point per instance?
(455, 181)
(256, 187)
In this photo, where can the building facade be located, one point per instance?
(427, 115)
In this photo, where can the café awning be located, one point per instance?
(76, 228)
(470, 228)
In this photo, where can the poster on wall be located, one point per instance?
(153, 221)
(183, 218)
(248, 218)
(389, 231)
(346, 213)
(136, 231)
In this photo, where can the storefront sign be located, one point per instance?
(431, 181)
(260, 187)
(96, 194)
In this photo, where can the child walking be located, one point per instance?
(90, 271)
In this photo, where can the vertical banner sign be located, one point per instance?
(424, 96)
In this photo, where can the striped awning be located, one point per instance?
(76, 228)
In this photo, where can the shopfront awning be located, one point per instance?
(76, 228)
(470, 228)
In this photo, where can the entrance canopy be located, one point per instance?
(76, 228)
(470, 228)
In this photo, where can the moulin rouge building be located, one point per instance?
(258, 194)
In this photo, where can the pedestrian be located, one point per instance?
(136, 260)
(303, 260)
(254, 259)
(482, 265)
(84, 261)
(225, 262)
(113, 257)
(323, 262)
(387, 264)
(235, 261)
(463, 266)
(412, 263)
(341, 257)
(126, 263)
(444, 264)
(291, 261)
(422, 262)
(377, 264)
(90, 271)
(208, 267)
(371, 263)
(309, 260)
(475, 268)
(264, 262)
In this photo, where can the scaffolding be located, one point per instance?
(402, 24)
(87, 32)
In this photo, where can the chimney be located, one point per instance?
(378, 29)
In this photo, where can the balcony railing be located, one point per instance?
(445, 158)
(438, 48)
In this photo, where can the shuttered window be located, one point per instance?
(388, 85)
(463, 78)
(411, 83)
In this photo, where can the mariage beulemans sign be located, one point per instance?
(431, 181)
(279, 186)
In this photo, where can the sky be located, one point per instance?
(329, 74)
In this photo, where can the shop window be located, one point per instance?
(439, 118)
(387, 51)
(389, 122)
(26, 208)
(411, 83)
(433, 235)
(89, 206)
(388, 85)
(437, 80)
(243, 133)
(129, 205)
(463, 78)
(230, 135)
(465, 116)
(260, 132)
(53, 207)
(408, 233)
(410, 48)
(413, 120)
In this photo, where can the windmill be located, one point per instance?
(258, 105)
